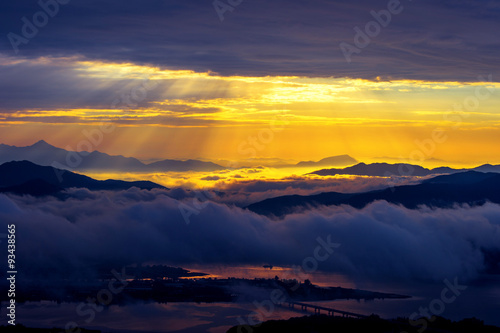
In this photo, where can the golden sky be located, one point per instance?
(171, 113)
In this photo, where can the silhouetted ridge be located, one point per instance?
(469, 177)
(384, 170)
(289, 204)
(34, 187)
(473, 188)
(374, 324)
(25, 177)
(42, 153)
(399, 169)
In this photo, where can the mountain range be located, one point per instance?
(470, 187)
(398, 169)
(24, 177)
(42, 153)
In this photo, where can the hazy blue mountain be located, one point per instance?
(471, 187)
(42, 153)
(488, 168)
(101, 161)
(25, 177)
(340, 160)
(445, 170)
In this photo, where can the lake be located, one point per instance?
(480, 299)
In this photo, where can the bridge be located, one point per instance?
(317, 309)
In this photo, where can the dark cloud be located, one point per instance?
(58, 83)
(433, 40)
(119, 228)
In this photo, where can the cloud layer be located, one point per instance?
(112, 229)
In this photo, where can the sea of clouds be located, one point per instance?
(112, 229)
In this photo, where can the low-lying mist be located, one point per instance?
(113, 229)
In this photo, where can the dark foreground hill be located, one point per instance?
(23, 329)
(24, 177)
(471, 187)
(399, 169)
(372, 324)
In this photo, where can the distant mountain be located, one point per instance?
(386, 170)
(340, 160)
(42, 153)
(487, 168)
(471, 187)
(191, 165)
(101, 161)
(24, 177)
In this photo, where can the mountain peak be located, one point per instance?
(42, 143)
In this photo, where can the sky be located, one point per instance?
(264, 81)
(293, 80)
